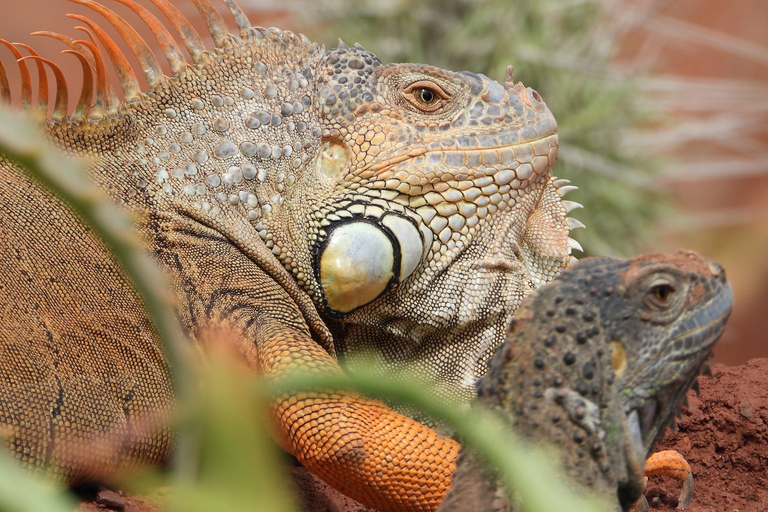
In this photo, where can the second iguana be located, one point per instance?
(597, 363)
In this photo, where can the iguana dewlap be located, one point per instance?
(315, 202)
(597, 363)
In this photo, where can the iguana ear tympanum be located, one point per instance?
(319, 203)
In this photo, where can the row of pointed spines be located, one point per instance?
(563, 188)
(98, 99)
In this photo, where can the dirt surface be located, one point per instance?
(723, 434)
(724, 437)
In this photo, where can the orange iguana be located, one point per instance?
(318, 203)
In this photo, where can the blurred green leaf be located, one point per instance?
(239, 466)
(20, 491)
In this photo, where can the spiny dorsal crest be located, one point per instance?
(97, 98)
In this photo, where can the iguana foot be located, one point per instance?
(671, 463)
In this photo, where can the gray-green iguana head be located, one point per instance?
(597, 364)
(428, 215)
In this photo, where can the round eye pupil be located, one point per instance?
(427, 96)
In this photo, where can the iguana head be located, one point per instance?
(657, 318)
(430, 211)
(668, 312)
(598, 362)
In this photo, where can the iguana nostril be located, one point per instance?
(533, 100)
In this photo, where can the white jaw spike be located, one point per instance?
(564, 190)
(574, 223)
(636, 432)
(571, 205)
(573, 244)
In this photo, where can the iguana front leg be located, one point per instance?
(360, 446)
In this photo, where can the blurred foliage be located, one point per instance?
(21, 492)
(564, 50)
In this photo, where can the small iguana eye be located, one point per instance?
(425, 95)
(661, 294)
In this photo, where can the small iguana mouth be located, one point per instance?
(641, 421)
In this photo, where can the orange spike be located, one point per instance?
(213, 20)
(100, 100)
(128, 80)
(188, 34)
(59, 37)
(84, 103)
(240, 18)
(67, 41)
(111, 98)
(170, 48)
(42, 79)
(72, 44)
(148, 62)
(5, 87)
(62, 94)
(26, 79)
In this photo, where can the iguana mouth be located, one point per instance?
(500, 153)
(640, 421)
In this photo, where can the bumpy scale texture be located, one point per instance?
(320, 203)
(597, 363)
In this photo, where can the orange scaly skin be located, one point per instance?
(395, 457)
(318, 203)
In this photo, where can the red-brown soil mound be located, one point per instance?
(724, 436)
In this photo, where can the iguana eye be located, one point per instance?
(425, 95)
(661, 294)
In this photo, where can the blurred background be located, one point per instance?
(662, 107)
